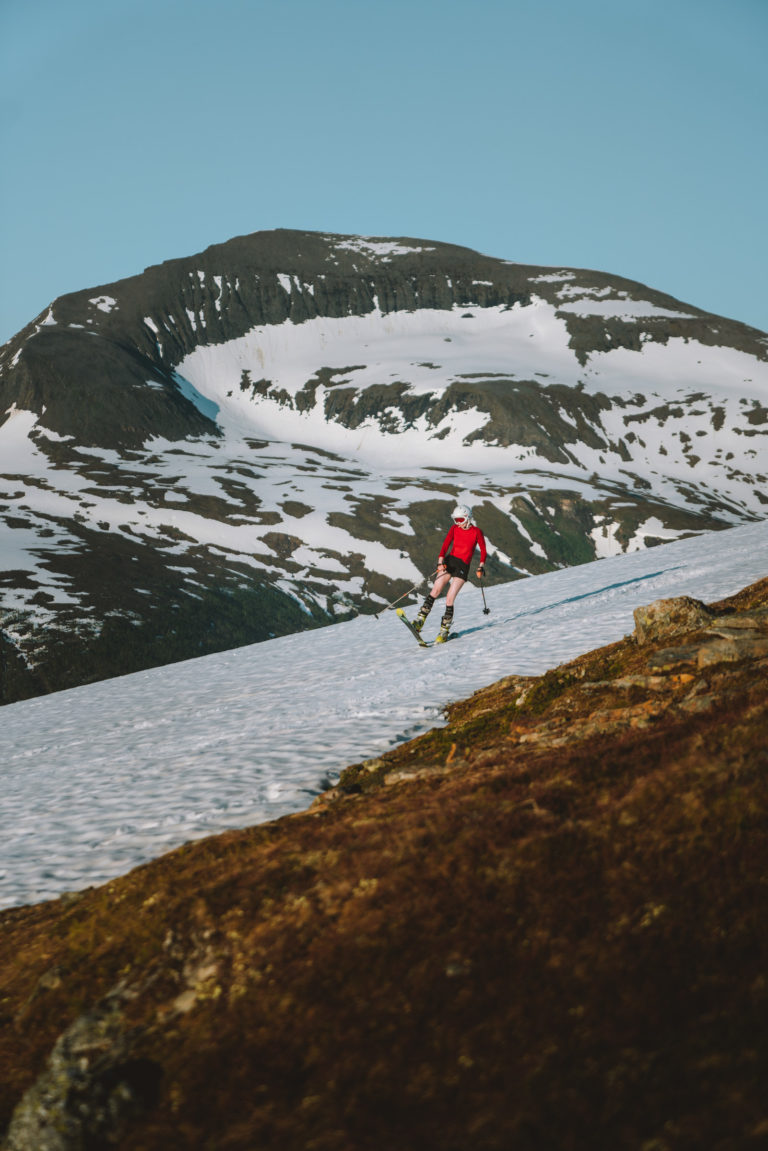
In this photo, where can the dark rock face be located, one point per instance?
(101, 393)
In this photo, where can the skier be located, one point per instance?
(462, 539)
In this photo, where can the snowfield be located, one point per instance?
(432, 348)
(101, 778)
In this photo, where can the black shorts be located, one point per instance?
(457, 567)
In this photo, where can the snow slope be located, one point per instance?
(101, 778)
(429, 349)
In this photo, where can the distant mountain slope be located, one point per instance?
(270, 435)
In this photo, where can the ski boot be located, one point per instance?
(445, 625)
(424, 611)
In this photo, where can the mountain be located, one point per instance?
(542, 925)
(270, 435)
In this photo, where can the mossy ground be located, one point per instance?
(543, 925)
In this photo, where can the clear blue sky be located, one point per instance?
(629, 137)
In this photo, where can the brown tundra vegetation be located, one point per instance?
(541, 926)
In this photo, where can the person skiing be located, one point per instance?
(462, 539)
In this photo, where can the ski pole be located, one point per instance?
(486, 609)
(410, 591)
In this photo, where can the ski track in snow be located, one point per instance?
(99, 779)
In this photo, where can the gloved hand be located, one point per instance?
(480, 572)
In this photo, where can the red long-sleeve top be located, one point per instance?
(464, 541)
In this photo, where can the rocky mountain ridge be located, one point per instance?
(270, 435)
(542, 924)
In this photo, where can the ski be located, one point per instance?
(441, 637)
(414, 631)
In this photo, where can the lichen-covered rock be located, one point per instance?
(733, 649)
(667, 617)
(673, 658)
(91, 1086)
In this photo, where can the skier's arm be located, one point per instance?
(483, 554)
(444, 551)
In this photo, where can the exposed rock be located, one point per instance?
(90, 1089)
(732, 638)
(668, 617)
(732, 650)
(748, 620)
(671, 658)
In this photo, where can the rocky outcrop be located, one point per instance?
(540, 925)
(734, 637)
(667, 617)
(90, 1090)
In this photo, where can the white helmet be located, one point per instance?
(462, 515)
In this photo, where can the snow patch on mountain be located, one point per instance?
(679, 366)
(680, 406)
(381, 349)
(383, 250)
(104, 303)
(623, 309)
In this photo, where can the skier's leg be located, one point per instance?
(435, 592)
(429, 600)
(447, 620)
(456, 585)
(439, 584)
(424, 610)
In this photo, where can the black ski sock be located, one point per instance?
(427, 606)
(447, 617)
